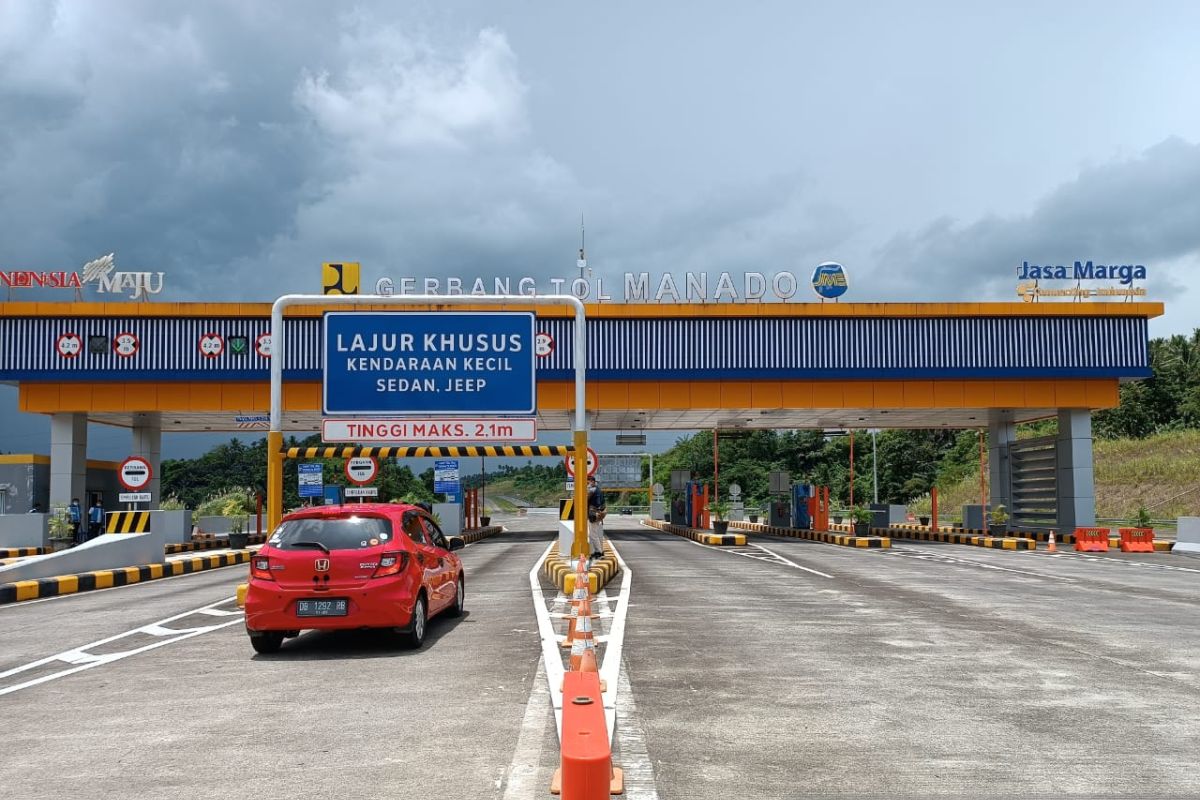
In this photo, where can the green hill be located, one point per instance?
(1161, 472)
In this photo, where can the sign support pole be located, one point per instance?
(279, 349)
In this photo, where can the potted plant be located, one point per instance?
(999, 521)
(923, 519)
(1143, 519)
(753, 515)
(720, 510)
(61, 536)
(485, 521)
(838, 517)
(862, 520)
(238, 537)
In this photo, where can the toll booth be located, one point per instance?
(802, 497)
(697, 504)
(779, 509)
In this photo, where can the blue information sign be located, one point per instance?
(444, 362)
(445, 476)
(310, 480)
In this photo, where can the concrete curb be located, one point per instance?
(209, 544)
(703, 537)
(478, 534)
(842, 540)
(22, 552)
(562, 575)
(105, 579)
(974, 538)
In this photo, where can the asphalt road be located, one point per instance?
(801, 670)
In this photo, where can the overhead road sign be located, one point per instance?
(361, 469)
(445, 451)
(135, 473)
(380, 363)
(619, 469)
(430, 430)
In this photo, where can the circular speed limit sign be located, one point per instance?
(361, 469)
(592, 462)
(135, 473)
(69, 345)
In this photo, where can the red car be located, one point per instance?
(366, 565)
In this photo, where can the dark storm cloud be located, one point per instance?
(1143, 210)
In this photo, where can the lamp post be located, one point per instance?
(875, 464)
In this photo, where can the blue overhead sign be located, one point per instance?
(445, 476)
(443, 362)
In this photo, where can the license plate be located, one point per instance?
(333, 607)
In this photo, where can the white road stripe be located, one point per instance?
(632, 756)
(782, 560)
(81, 660)
(520, 782)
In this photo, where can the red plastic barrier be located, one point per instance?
(1137, 540)
(587, 772)
(1091, 540)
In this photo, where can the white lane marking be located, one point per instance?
(614, 643)
(781, 559)
(81, 660)
(551, 660)
(788, 561)
(633, 758)
(1104, 560)
(904, 551)
(520, 782)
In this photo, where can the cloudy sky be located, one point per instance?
(930, 147)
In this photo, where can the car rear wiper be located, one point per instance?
(317, 545)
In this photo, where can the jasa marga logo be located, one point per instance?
(829, 280)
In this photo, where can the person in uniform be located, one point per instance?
(596, 510)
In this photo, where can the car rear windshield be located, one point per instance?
(336, 533)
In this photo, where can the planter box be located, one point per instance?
(720, 526)
(862, 529)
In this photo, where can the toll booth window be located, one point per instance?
(412, 526)
(335, 533)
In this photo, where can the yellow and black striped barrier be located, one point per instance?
(969, 537)
(389, 451)
(701, 536)
(477, 534)
(107, 579)
(21, 552)
(562, 574)
(127, 522)
(828, 537)
(566, 510)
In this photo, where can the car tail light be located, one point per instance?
(391, 564)
(260, 567)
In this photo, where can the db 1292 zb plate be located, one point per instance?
(325, 607)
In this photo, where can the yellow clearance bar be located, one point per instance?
(351, 451)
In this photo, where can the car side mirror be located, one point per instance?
(455, 543)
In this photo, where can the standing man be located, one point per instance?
(596, 511)
(96, 518)
(75, 512)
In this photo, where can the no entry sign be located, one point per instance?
(361, 469)
(135, 473)
(592, 462)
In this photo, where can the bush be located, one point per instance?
(226, 503)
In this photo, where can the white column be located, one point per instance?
(68, 459)
(1076, 470)
(147, 443)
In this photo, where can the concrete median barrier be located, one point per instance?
(57, 585)
(699, 535)
(562, 573)
(1187, 540)
(109, 551)
(978, 538)
(827, 537)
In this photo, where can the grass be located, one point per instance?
(1159, 472)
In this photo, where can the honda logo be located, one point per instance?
(321, 565)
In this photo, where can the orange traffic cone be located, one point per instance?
(1051, 547)
(584, 640)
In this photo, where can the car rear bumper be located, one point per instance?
(273, 608)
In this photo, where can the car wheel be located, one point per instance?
(266, 641)
(420, 618)
(456, 610)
